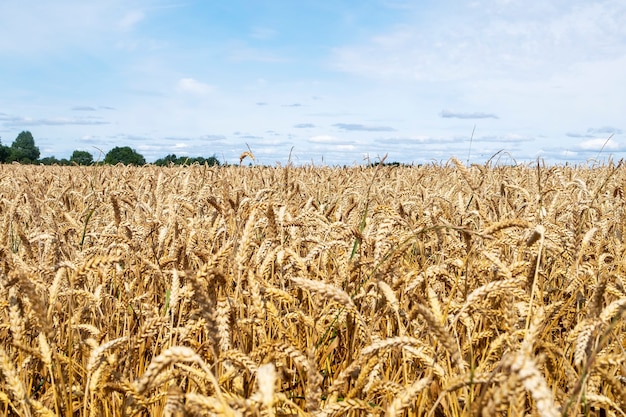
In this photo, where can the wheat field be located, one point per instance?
(438, 290)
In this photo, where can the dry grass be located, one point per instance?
(440, 290)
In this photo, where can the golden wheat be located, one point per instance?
(439, 290)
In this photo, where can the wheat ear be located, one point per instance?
(442, 334)
(13, 381)
(532, 380)
(172, 355)
(405, 398)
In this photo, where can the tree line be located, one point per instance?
(24, 151)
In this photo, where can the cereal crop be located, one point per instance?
(435, 290)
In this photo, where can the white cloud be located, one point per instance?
(418, 140)
(15, 121)
(242, 52)
(522, 40)
(363, 128)
(328, 143)
(130, 19)
(323, 139)
(263, 33)
(599, 143)
(506, 138)
(193, 86)
(61, 25)
(448, 114)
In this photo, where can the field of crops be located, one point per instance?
(439, 290)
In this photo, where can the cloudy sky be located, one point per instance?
(325, 81)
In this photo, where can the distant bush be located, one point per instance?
(81, 158)
(124, 155)
(172, 159)
(51, 160)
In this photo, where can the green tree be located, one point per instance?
(164, 162)
(23, 149)
(212, 160)
(5, 153)
(172, 159)
(81, 158)
(51, 160)
(124, 155)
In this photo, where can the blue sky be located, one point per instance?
(327, 82)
